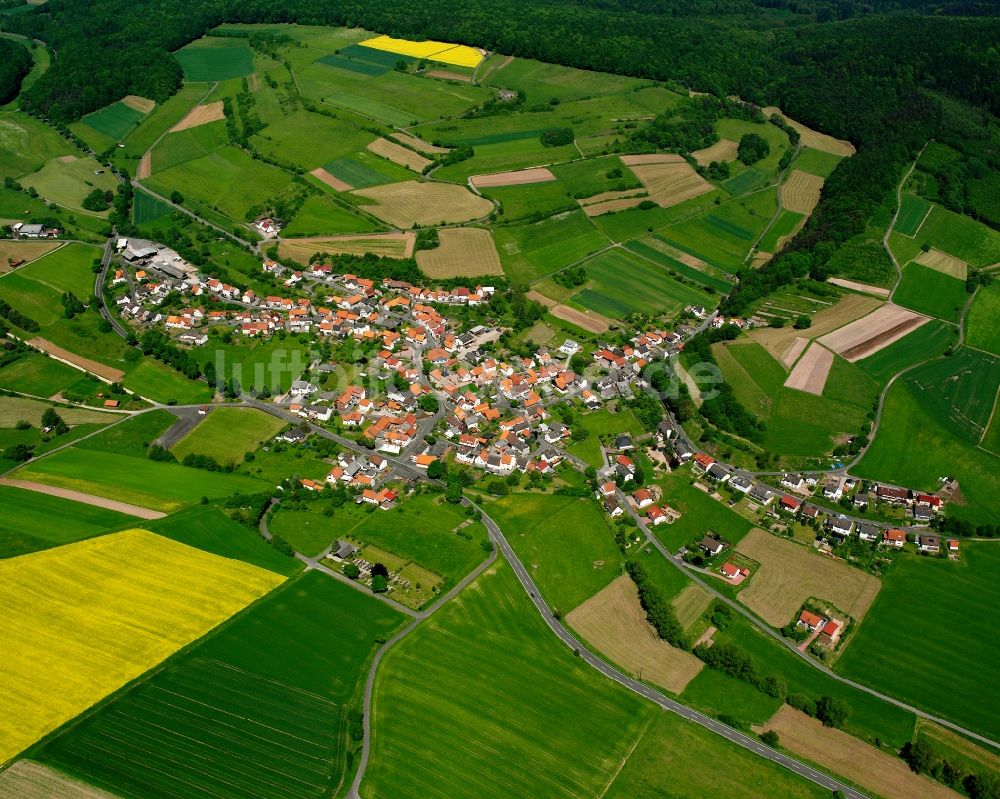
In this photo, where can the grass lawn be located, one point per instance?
(323, 216)
(225, 434)
(31, 521)
(28, 144)
(931, 292)
(259, 709)
(213, 59)
(207, 527)
(483, 684)
(133, 436)
(68, 182)
(602, 422)
(273, 363)
(897, 455)
(157, 381)
(309, 530)
(982, 330)
(716, 693)
(699, 514)
(37, 374)
(662, 766)
(530, 252)
(564, 542)
(927, 341)
(65, 269)
(160, 486)
(420, 529)
(941, 675)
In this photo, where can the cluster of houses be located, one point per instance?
(826, 630)
(31, 230)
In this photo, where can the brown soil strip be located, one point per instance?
(722, 150)
(800, 192)
(612, 206)
(844, 754)
(398, 154)
(652, 158)
(588, 320)
(86, 499)
(444, 74)
(614, 622)
(538, 297)
(518, 177)
(942, 262)
(418, 144)
(145, 166)
(875, 291)
(140, 104)
(330, 180)
(200, 115)
(873, 332)
(794, 350)
(66, 159)
(29, 780)
(99, 369)
(811, 371)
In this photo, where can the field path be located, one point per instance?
(86, 499)
(895, 218)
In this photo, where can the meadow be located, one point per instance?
(147, 208)
(700, 514)
(208, 528)
(179, 146)
(783, 226)
(564, 541)
(531, 252)
(310, 530)
(113, 607)
(897, 454)
(65, 269)
(212, 59)
(542, 81)
(952, 233)
(133, 436)
(912, 212)
(68, 179)
(430, 740)
(982, 330)
(652, 250)
(927, 341)
(226, 434)
(157, 381)
(959, 391)
(525, 202)
(423, 530)
(36, 374)
(599, 423)
(931, 292)
(27, 144)
(816, 162)
(158, 122)
(312, 140)
(114, 121)
(149, 484)
(620, 283)
(323, 216)
(33, 521)
(942, 673)
(363, 170)
(259, 709)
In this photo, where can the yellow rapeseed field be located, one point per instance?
(81, 620)
(458, 55)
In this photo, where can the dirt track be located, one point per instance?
(875, 291)
(99, 369)
(86, 499)
(145, 167)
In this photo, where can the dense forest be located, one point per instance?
(887, 75)
(15, 63)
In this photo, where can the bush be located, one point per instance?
(351, 570)
(753, 148)
(770, 737)
(380, 584)
(659, 610)
(282, 546)
(557, 137)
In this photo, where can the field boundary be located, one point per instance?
(87, 499)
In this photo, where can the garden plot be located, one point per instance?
(873, 332)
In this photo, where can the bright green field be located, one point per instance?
(483, 685)
(927, 341)
(65, 269)
(560, 539)
(31, 521)
(115, 121)
(816, 162)
(420, 529)
(258, 709)
(215, 59)
(782, 226)
(157, 381)
(530, 252)
(662, 765)
(160, 486)
(931, 292)
(954, 234)
(521, 202)
(699, 514)
(715, 693)
(322, 216)
(754, 376)
(227, 180)
(186, 145)
(26, 144)
(649, 249)
(158, 122)
(147, 208)
(589, 177)
(226, 434)
(911, 214)
(381, 112)
(982, 325)
(540, 81)
(944, 673)
(132, 437)
(899, 455)
(311, 140)
(272, 363)
(606, 423)
(38, 375)
(363, 169)
(620, 283)
(959, 392)
(208, 528)
(67, 183)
